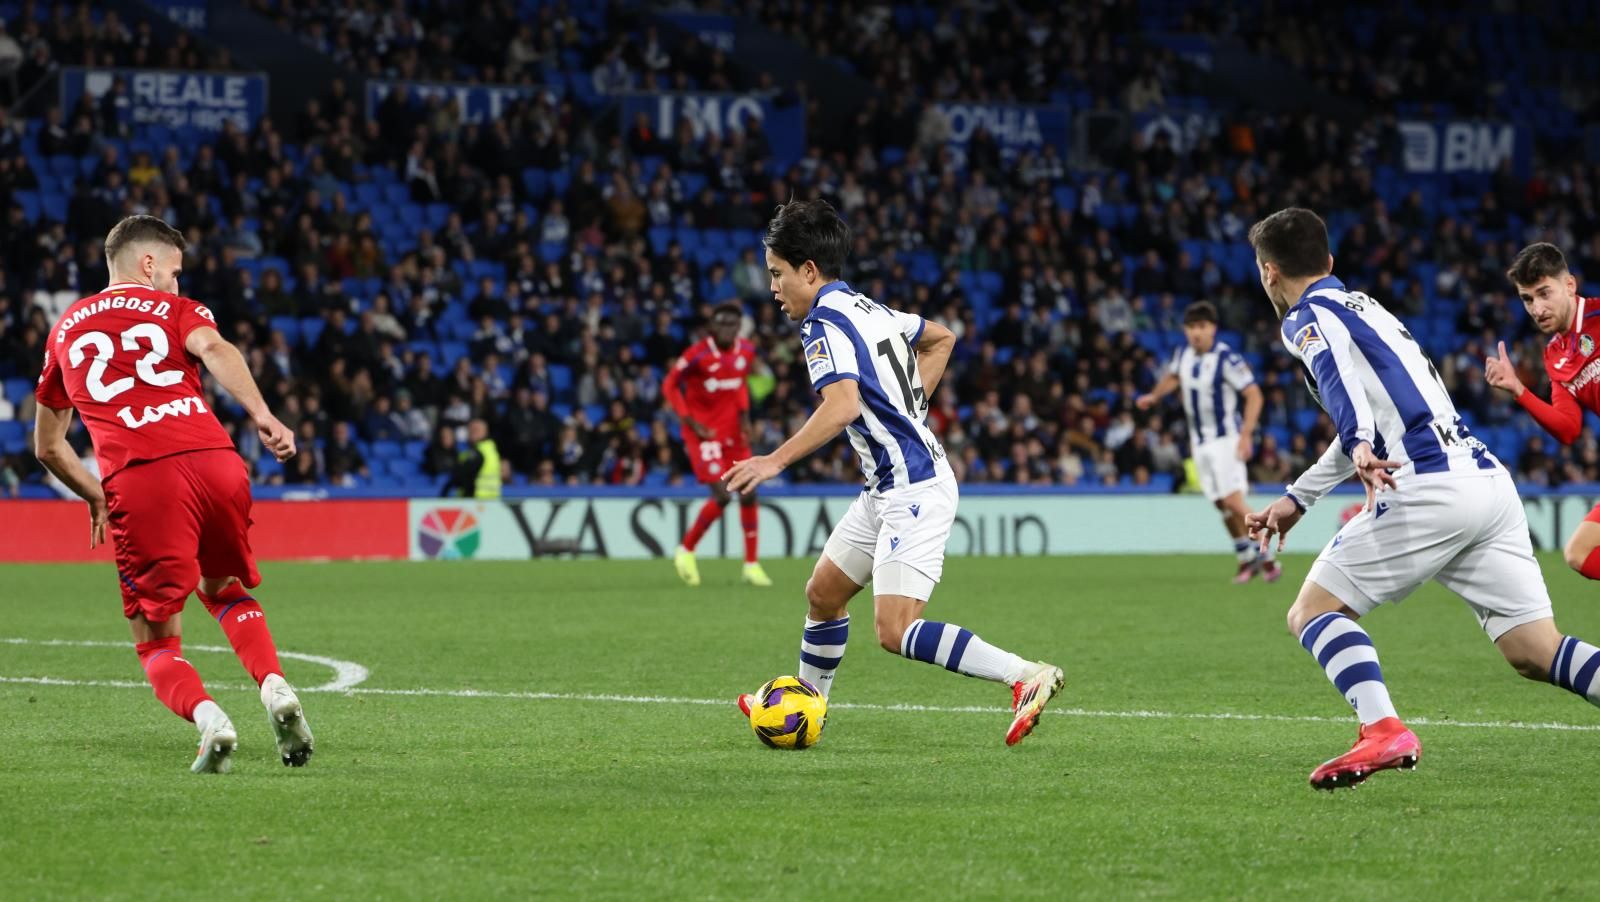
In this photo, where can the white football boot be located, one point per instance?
(288, 721)
(218, 739)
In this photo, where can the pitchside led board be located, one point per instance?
(201, 100)
(615, 526)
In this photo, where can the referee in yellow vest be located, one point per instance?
(477, 471)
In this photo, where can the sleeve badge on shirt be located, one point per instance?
(818, 359)
(1586, 344)
(1308, 339)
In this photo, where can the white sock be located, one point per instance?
(205, 712)
(1344, 651)
(953, 648)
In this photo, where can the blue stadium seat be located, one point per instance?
(404, 468)
(267, 466)
(535, 182)
(54, 207)
(18, 389)
(560, 380)
(382, 450)
(449, 353)
(31, 204)
(397, 195)
(660, 237)
(311, 329)
(289, 326)
(595, 412)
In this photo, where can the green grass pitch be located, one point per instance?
(529, 789)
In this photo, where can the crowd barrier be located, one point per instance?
(794, 522)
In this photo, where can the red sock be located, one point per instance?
(709, 514)
(748, 515)
(246, 627)
(176, 683)
(1591, 565)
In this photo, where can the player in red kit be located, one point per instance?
(1572, 358)
(173, 493)
(707, 389)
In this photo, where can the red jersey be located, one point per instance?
(1573, 358)
(712, 381)
(119, 358)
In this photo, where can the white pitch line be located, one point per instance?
(346, 674)
(857, 706)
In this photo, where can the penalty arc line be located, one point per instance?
(346, 674)
(857, 706)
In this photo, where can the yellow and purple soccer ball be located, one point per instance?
(788, 713)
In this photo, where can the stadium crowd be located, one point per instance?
(392, 278)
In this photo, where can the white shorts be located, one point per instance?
(896, 540)
(1467, 531)
(1221, 471)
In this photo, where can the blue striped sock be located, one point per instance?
(821, 650)
(953, 648)
(1345, 652)
(1574, 668)
(1244, 550)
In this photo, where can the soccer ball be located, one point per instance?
(788, 713)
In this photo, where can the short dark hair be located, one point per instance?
(1295, 239)
(729, 309)
(1200, 312)
(135, 229)
(804, 230)
(1536, 262)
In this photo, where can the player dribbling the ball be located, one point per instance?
(875, 369)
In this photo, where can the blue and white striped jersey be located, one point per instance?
(850, 336)
(1376, 382)
(1210, 384)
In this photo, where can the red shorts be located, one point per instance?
(711, 458)
(176, 519)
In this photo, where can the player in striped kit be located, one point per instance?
(875, 369)
(1439, 505)
(1213, 380)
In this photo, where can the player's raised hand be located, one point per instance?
(99, 516)
(745, 475)
(1499, 373)
(276, 437)
(1375, 473)
(1275, 520)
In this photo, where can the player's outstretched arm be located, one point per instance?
(1166, 385)
(224, 362)
(841, 404)
(1562, 417)
(933, 355)
(50, 446)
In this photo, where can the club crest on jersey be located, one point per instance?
(1309, 339)
(1586, 344)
